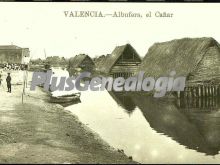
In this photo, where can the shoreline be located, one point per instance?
(41, 132)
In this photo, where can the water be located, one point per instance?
(153, 130)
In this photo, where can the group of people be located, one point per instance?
(8, 80)
(12, 66)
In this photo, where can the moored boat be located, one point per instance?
(65, 98)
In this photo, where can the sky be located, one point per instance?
(40, 26)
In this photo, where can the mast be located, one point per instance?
(45, 54)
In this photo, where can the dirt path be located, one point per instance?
(39, 132)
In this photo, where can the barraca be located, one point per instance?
(135, 83)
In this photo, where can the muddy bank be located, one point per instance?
(39, 132)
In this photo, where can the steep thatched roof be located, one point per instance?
(99, 61)
(75, 62)
(180, 55)
(110, 60)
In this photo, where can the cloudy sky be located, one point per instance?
(42, 26)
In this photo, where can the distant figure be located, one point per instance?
(8, 80)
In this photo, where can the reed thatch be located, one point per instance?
(188, 57)
(110, 60)
(99, 61)
(75, 62)
(80, 63)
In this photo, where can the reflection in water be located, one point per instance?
(70, 103)
(192, 129)
(200, 103)
(124, 100)
(146, 128)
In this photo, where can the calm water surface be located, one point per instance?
(153, 130)
(149, 130)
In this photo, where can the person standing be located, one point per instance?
(8, 80)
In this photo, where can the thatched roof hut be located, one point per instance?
(77, 61)
(123, 59)
(81, 62)
(99, 61)
(198, 59)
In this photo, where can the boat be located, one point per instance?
(63, 99)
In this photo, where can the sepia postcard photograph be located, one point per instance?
(109, 83)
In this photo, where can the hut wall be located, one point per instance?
(126, 65)
(206, 76)
(10, 56)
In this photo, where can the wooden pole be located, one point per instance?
(26, 80)
(192, 91)
(198, 91)
(216, 90)
(206, 93)
(212, 90)
(24, 84)
(201, 91)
